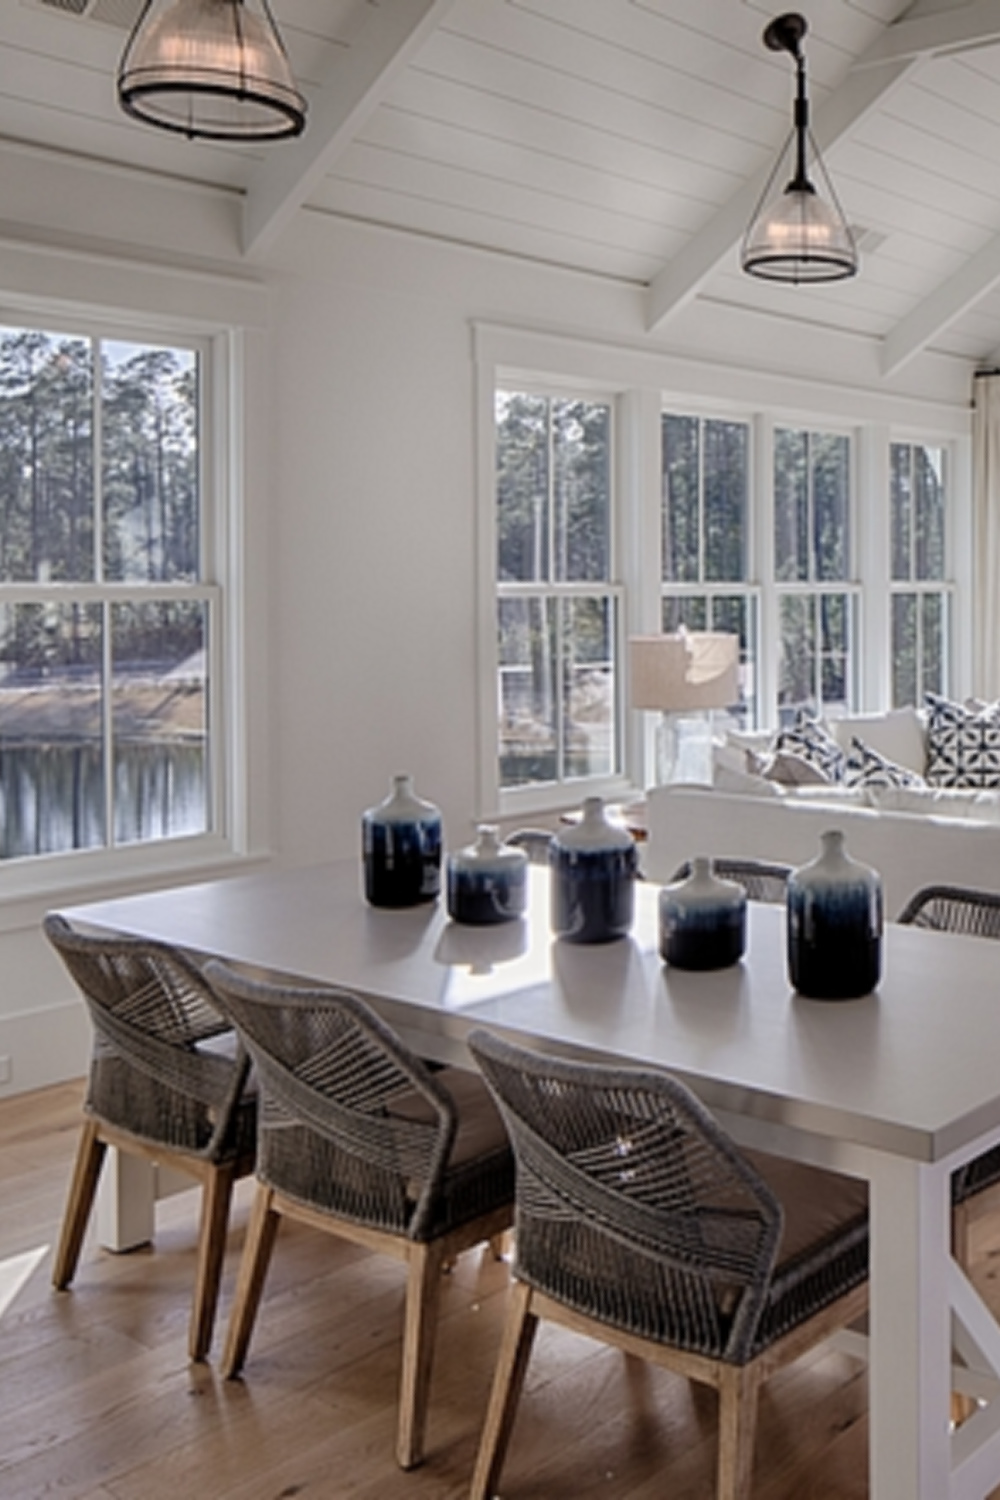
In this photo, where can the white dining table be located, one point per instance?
(898, 1087)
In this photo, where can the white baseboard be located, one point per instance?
(43, 1046)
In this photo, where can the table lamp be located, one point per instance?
(684, 677)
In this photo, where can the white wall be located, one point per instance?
(361, 487)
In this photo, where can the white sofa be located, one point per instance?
(909, 849)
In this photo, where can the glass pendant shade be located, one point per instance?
(214, 69)
(798, 234)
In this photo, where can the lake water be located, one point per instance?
(52, 796)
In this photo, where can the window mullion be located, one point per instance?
(97, 399)
(107, 723)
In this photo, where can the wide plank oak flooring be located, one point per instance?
(99, 1402)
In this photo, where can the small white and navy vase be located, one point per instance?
(488, 881)
(834, 925)
(401, 840)
(593, 867)
(703, 920)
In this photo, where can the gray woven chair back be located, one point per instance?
(951, 908)
(534, 841)
(761, 879)
(166, 1066)
(350, 1120)
(633, 1206)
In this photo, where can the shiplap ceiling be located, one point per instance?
(621, 138)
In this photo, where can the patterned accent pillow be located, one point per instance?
(866, 767)
(963, 745)
(812, 741)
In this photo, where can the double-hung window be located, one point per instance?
(705, 534)
(813, 551)
(109, 618)
(558, 604)
(920, 596)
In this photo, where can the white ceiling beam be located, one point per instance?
(385, 39)
(923, 33)
(973, 24)
(941, 307)
(684, 276)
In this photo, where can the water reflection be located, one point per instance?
(52, 795)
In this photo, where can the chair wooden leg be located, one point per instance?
(261, 1230)
(739, 1388)
(512, 1363)
(423, 1292)
(90, 1155)
(216, 1194)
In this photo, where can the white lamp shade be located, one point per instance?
(684, 672)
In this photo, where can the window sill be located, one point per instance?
(552, 800)
(28, 889)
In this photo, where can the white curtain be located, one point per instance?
(986, 532)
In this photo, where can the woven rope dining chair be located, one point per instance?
(535, 842)
(640, 1223)
(359, 1138)
(761, 880)
(951, 908)
(168, 1082)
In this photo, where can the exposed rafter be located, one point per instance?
(386, 37)
(973, 25)
(903, 47)
(925, 32)
(943, 305)
(684, 276)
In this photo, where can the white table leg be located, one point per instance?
(126, 1198)
(910, 1330)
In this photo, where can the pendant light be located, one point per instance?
(210, 69)
(797, 235)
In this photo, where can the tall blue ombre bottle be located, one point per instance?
(593, 868)
(401, 840)
(834, 925)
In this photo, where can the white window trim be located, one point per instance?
(84, 872)
(543, 797)
(650, 381)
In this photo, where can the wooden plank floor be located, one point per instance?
(99, 1402)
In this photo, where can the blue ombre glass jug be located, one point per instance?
(593, 868)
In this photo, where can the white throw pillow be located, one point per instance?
(743, 784)
(789, 769)
(900, 735)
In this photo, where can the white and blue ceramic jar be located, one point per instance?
(488, 881)
(703, 920)
(401, 840)
(593, 866)
(834, 925)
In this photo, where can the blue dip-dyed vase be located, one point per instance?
(834, 925)
(401, 840)
(703, 920)
(593, 866)
(488, 881)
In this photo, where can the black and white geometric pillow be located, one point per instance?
(963, 745)
(866, 767)
(810, 739)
